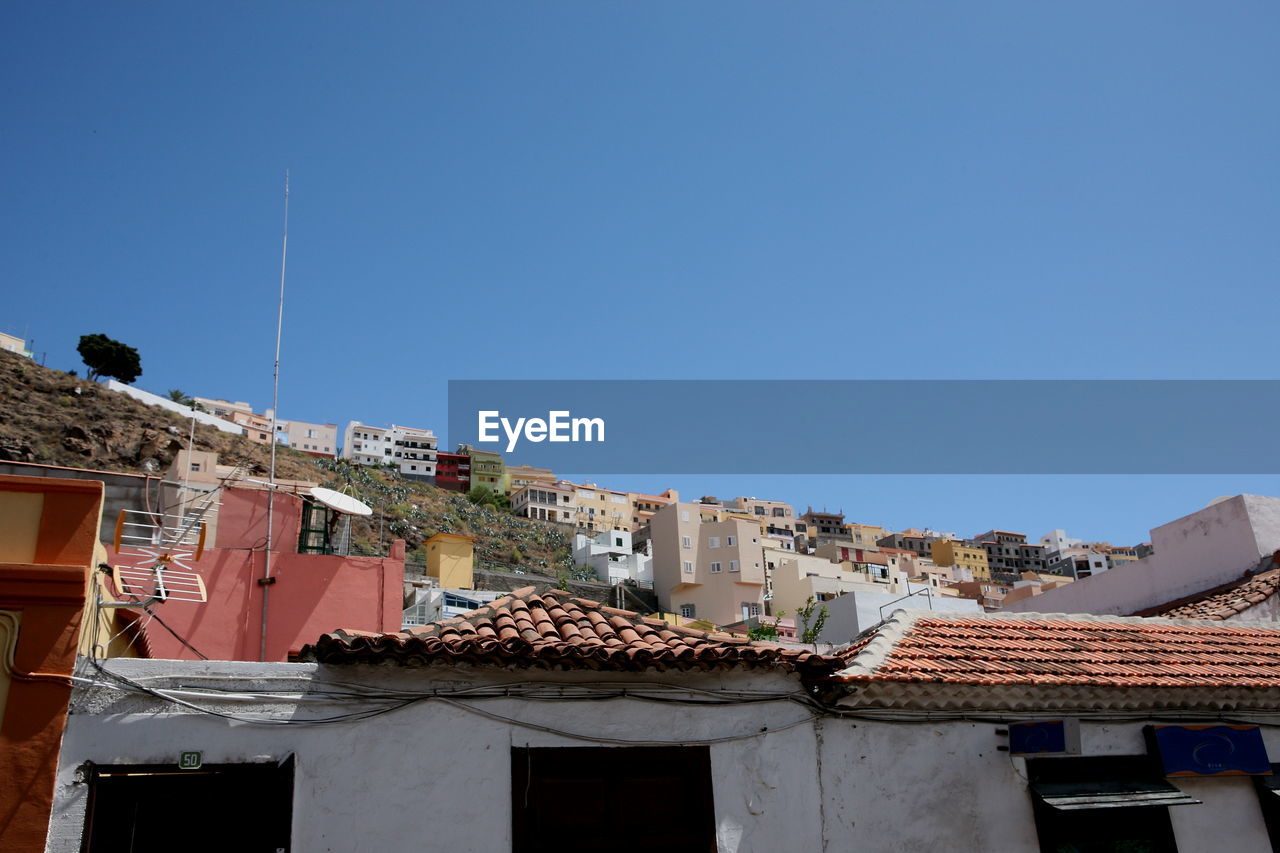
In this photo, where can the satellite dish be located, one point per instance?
(345, 504)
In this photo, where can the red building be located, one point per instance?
(453, 471)
(306, 594)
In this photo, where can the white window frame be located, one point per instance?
(733, 565)
(688, 567)
(716, 566)
(713, 541)
(686, 542)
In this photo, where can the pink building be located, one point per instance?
(307, 594)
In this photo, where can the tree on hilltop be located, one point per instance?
(106, 357)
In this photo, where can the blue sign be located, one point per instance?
(1044, 737)
(1212, 750)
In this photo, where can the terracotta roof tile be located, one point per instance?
(554, 630)
(1222, 602)
(1044, 650)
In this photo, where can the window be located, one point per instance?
(733, 565)
(750, 609)
(617, 541)
(688, 567)
(312, 434)
(715, 566)
(688, 611)
(684, 516)
(713, 541)
(574, 792)
(686, 542)
(1268, 788)
(731, 540)
(151, 805)
(1066, 791)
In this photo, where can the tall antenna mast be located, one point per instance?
(266, 580)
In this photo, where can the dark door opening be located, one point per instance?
(155, 808)
(612, 798)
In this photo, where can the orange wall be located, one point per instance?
(50, 593)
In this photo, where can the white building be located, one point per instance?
(165, 403)
(433, 603)
(613, 556)
(410, 451)
(1220, 544)
(546, 502)
(466, 736)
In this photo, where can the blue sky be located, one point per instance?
(658, 190)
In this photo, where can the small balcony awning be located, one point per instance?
(1110, 794)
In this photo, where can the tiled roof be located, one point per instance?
(1041, 650)
(554, 630)
(1223, 602)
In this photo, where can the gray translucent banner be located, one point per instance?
(874, 426)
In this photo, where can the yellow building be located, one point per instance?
(451, 559)
(951, 552)
(865, 535)
(518, 476)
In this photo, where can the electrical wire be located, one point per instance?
(176, 635)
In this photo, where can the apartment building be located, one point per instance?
(546, 502)
(965, 554)
(256, 427)
(777, 519)
(817, 528)
(613, 556)
(487, 469)
(312, 439)
(222, 408)
(644, 506)
(1009, 552)
(453, 471)
(707, 566)
(608, 509)
(919, 542)
(602, 509)
(795, 578)
(523, 475)
(10, 343)
(864, 535)
(410, 451)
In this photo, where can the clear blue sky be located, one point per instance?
(659, 190)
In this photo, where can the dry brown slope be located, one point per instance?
(54, 418)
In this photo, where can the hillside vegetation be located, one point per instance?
(55, 418)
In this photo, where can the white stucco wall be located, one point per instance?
(923, 786)
(165, 403)
(1213, 546)
(432, 777)
(854, 612)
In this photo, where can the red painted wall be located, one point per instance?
(312, 594)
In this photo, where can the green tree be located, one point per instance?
(177, 395)
(767, 632)
(484, 496)
(106, 357)
(809, 624)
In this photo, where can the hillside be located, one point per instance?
(55, 418)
